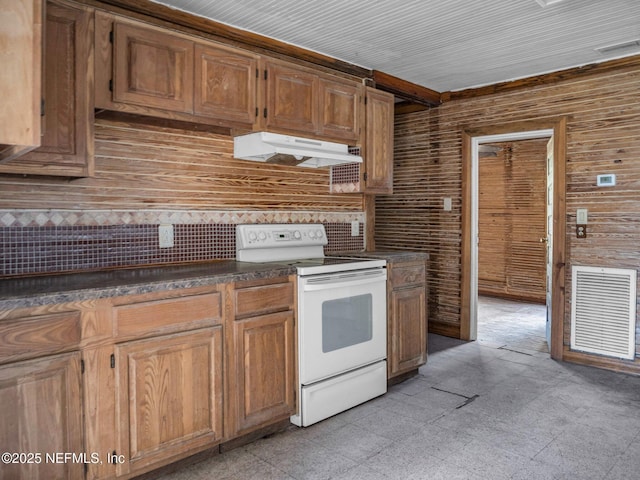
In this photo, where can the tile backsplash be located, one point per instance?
(55, 241)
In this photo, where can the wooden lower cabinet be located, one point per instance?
(261, 350)
(170, 396)
(407, 323)
(41, 418)
(144, 380)
(262, 384)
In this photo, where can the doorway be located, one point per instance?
(512, 243)
(472, 139)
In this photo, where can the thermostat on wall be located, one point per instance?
(606, 180)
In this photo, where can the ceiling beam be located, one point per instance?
(406, 90)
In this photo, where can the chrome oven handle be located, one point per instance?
(344, 280)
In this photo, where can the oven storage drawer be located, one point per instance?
(337, 394)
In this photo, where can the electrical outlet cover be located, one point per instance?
(165, 236)
(355, 228)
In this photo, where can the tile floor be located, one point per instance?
(497, 408)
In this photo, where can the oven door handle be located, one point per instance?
(344, 280)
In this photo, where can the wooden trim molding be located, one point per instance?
(546, 79)
(370, 222)
(559, 126)
(406, 90)
(598, 361)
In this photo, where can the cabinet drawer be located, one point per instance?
(406, 275)
(264, 299)
(170, 315)
(31, 337)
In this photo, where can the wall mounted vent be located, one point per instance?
(631, 44)
(603, 311)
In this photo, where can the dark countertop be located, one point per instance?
(25, 292)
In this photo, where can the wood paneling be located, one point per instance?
(511, 221)
(143, 167)
(603, 116)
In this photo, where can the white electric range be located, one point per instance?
(342, 317)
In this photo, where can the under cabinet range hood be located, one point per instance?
(289, 150)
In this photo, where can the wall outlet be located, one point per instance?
(447, 204)
(581, 231)
(355, 228)
(165, 236)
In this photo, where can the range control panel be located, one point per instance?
(280, 235)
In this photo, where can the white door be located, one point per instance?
(549, 236)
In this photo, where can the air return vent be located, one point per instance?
(604, 311)
(618, 47)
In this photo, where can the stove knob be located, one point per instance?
(262, 236)
(252, 236)
(312, 234)
(319, 233)
(297, 235)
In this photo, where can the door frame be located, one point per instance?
(469, 263)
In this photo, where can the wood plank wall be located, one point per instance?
(603, 125)
(144, 167)
(512, 220)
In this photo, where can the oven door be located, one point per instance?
(342, 322)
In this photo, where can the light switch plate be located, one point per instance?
(447, 204)
(581, 216)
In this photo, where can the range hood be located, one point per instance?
(289, 150)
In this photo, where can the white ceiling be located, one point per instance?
(444, 45)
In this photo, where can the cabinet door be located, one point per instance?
(20, 77)
(169, 397)
(41, 413)
(292, 99)
(262, 385)
(152, 68)
(67, 143)
(408, 330)
(225, 84)
(378, 154)
(340, 110)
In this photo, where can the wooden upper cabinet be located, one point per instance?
(340, 110)
(20, 76)
(67, 142)
(155, 71)
(152, 68)
(291, 98)
(378, 151)
(225, 83)
(301, 101)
